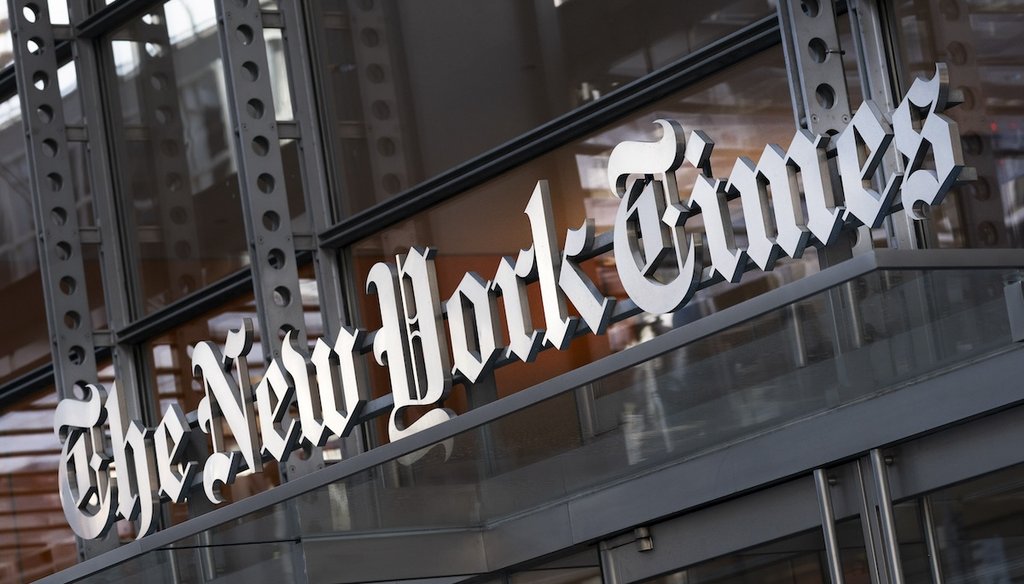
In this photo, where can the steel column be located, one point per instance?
(815, 61)
(53, 199)
(56, 215)
(260, 172)
(261, 182)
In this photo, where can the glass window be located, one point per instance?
(739, 108)
(979, 40)
(409, 100)
(177, 175)
(979, 528)
(797, 559)
(21, 289)
(35, 539)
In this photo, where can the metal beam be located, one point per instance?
(61, 251)
(260, 172)
(53, 200)
(814, 58)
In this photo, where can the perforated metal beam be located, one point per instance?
(379, 68)
(53, 198)
(260, 172)
(53, 201)
(814, 58)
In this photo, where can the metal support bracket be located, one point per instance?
(814, 58)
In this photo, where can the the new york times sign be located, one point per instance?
(660, 260)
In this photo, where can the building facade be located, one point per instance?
(230, 182)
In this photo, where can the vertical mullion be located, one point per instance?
(828, 525)
(931, 540)
(887, 517)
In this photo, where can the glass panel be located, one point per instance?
(35, 539)
(21, 288)
(979, 40)
(278, 74)
(797, 559)
(911, 537)
(740, 109)
(177, 175)
(409, 101)
(979, 528)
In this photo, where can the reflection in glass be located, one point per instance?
(78, 154)
(35, 540)
(797, 559)
(741, 110)
(979, 528)
(21, 290)
(178, 176)
(980, 41)
(408, 101)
